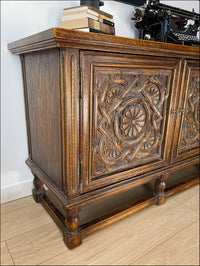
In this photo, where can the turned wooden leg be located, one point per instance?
(160, 186)
(38, 191)
(72, 233)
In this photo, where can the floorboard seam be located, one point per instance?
(52, 257)
(17, 209)
(196, 212)
(10, 253)
(26, 232)
(162, 242)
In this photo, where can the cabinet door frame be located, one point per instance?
(88, 61)
(188, 68)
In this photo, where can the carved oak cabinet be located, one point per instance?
(112, 123)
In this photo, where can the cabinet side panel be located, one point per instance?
(43, 91)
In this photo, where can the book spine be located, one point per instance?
(77, 17)
(101, 27)
(73, 24)
(76, 9)
(75, 12)
(94, 13)
(98, 31)
(91, 30)
(83, 16)
(100, 12)
(105, 21)
(81, 11)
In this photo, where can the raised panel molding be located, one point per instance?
(125, 115)
(130, 118)
(190, 130)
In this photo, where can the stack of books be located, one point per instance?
(87, 18)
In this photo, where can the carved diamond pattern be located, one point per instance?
(190, 129)
(130, 119)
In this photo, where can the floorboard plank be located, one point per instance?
(17, 204)
(189, 198)
(35, 246)
(22, 220)
(182, 249)
(5, 255)
(33, 238)
(127, 240)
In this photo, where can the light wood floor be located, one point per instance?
(159, 235)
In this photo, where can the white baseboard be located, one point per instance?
(16, 191)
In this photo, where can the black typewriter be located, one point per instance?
(164, 23)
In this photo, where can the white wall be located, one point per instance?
(20, 19)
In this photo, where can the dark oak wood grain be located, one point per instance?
(122, 90)
(69, 65)
(188, 135)
(59, 37)
(110, 120)
(43, 94)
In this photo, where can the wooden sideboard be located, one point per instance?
(112, 122)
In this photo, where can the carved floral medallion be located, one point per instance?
(130, 119)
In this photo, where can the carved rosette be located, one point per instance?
(130, 119)
(110, 152)
(153, 91)
(190, 136)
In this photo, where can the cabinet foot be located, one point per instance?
(160, 186)
(72, 233)
(72, 240)
(38, 191)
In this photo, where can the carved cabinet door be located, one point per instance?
(186, 142)
(125, 125)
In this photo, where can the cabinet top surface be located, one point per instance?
(66, 38)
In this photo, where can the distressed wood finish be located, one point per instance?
(107, 117)
(58, 37)
(69, 67)
(123, 90)
(188, 132)
(160, 187)
(38, 191)
(41, 71)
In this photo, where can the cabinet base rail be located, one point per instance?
(73, 231)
